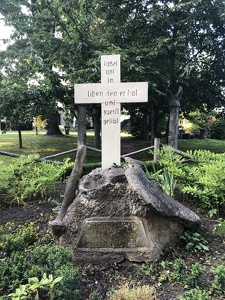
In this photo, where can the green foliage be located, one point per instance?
(219, 275)
(220, 226)
(21, 266)
(194, 278)
(95, 296)
(203, 178)
(14, 237)
(26, 180)
(217, 130)
(195, 294)
(170, 170)
(177, 271)
(36, 289)
(206, 179)
(148, 269)
(20, 293)
(194, 241)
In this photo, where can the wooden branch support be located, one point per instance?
(9, 154)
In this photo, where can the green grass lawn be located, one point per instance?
(46, 146)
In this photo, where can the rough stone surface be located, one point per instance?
(109, 200)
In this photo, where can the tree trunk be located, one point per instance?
(154, 124)
(82, 126)
(146, 125)
(20, 137)
(173, 118)
(53, 126)
(97, 126)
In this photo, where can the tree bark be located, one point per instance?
(53, 126)
(20, 137)
(154, 124)
(97, 126)
(146, 125)
(173, 118)
(82, 125)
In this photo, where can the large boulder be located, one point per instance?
(120, 214)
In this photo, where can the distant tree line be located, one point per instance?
(171, 44)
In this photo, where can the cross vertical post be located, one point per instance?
(110, 113)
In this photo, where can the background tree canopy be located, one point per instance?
(167, 43)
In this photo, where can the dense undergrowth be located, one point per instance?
(31, 267)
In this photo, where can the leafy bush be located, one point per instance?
(194, 241)
(26, 180)
(219, 274)
(169, 170)
(194, 294)
(35, 289)
(203, 178)
(219, 227)
(14, 237)
(217, 130)
(22, 257)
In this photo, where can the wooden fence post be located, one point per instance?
(156, 148)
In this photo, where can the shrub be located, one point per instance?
(14, 237)
(205, 180)
(26, 180)
(217, 130)
(34, 262)
(35, 289)
(219, 274)
(194, 294)
(194, 241)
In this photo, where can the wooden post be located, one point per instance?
(156, 148)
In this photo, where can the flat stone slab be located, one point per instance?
(104, 232)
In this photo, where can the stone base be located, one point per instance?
(98, 256)
(119, 214)
(113, 240)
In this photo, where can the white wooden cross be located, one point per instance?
(110, 93)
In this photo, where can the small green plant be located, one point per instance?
(194, 241)
(194, 294)
(170, 170)
(194, 278)
(95, 296)
(148, 269)
(129, 292)
(20, 293)
(219, 227)
(164, 274)
(179, 270)
(36, 289)
(219, 274)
